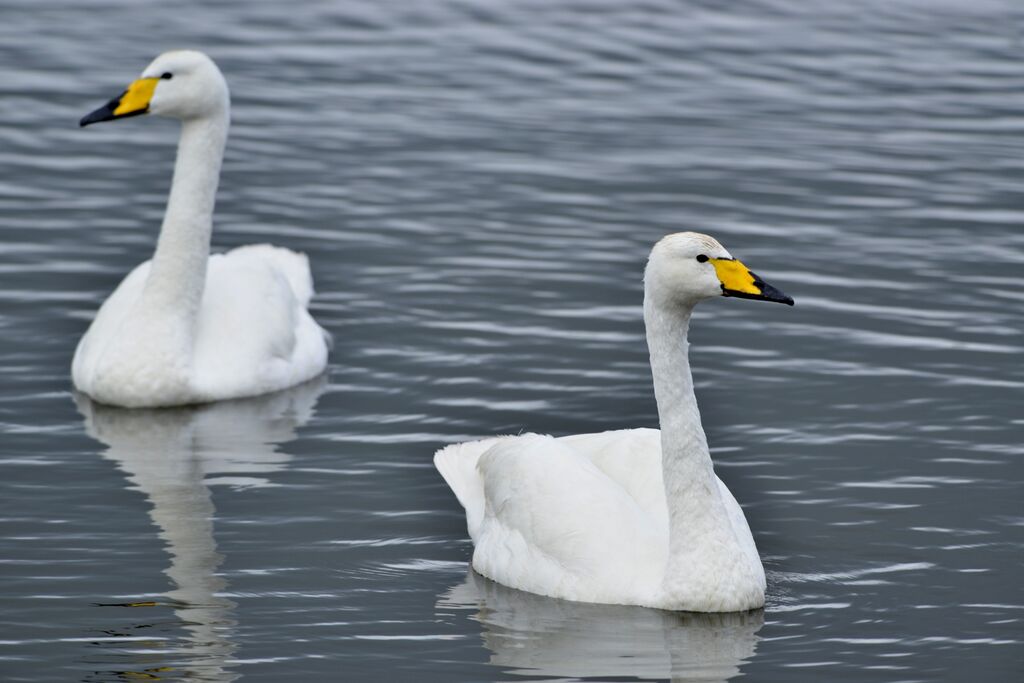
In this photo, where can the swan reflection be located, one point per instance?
(173, 456)
(543, 637)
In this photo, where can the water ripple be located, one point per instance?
(477, 186)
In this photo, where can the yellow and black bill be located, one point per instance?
(738, 281)
(132, 102)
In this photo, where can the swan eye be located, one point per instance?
(702, 258)
(167, 75)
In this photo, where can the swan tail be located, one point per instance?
(458, 465)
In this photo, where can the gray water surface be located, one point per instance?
(477, 185)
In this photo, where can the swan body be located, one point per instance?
(636, 516)
(187, 327)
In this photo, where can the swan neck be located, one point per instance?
(695, 508)
(178, 271)
(684, 446)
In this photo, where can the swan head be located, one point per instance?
(687, 267)
(181, 84)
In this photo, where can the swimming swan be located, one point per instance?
(585, 517)
(187, 327)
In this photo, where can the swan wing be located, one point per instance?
(292, 265)
(632, 459)
(544, 518)
(253, 333)
(629, 457)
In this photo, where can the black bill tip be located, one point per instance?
(768, 293)
(106, 113)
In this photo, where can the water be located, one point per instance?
(478, 185)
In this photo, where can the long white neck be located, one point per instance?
(695, 506)
(178, 274)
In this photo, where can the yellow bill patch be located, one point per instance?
(137, 97)
(735, 276)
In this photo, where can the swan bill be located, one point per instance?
(132, 102)
(737, 280)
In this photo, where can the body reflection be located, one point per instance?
(556, 638)
(174, 456)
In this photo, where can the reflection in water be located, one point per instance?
(173, 456)
(557, 638)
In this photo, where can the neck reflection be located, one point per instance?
(174, 456)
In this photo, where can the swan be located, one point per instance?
(630, 517)
(186, 327)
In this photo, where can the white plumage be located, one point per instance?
(632, 516)
(252, 335)
(187, 327)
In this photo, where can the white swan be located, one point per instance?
(187, 327)
(633, 517)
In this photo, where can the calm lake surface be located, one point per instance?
(478, 185)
